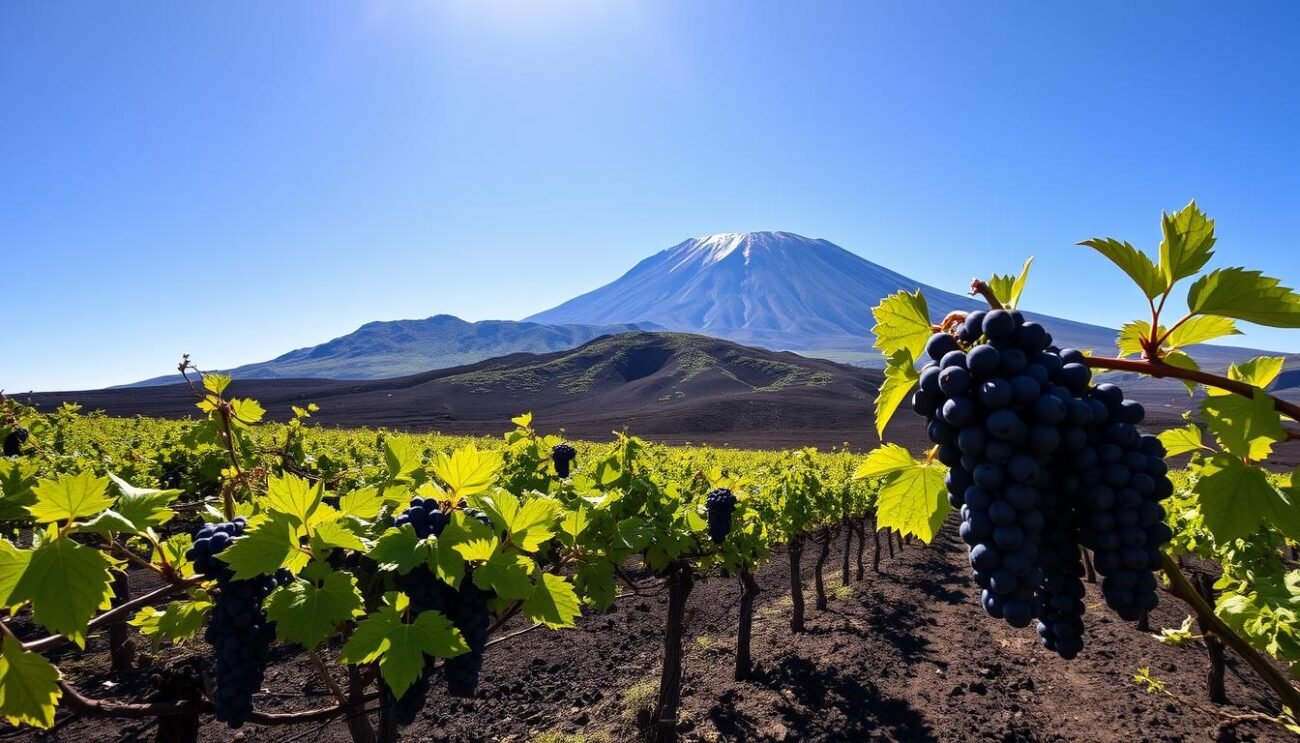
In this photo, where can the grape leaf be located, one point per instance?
(400, 647)
(1183, 440)
(246, 412)
(552, 602)
(595, 580)
(29, 688)
(1200, 329)
(900, 378)
(468, 471)
(70, 497)
(335, 534)
(1187, 245)
(1133, 262)
(401, 550)
(13, 563)
(1008, 288)
(1245, 295)
(1183, 361)
(530, 524)
(143, 507)
(1131, 337)
(66, 583)
(17, 477)
(307, 614)
(362, 503)
(216, 383)
(913, 501)
(178, 622)
(574, 524)
(402, 456)
(902, 322)
(506, 574)
(292, 496)
(1260, 371)
(477, 550)
(1244, 426)
(1235, 499)
(885, 460)
(267, 545)
(107, 521)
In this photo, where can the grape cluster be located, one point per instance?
(13, 444)
(563, 456)
(466, 607)
(238, 629)
(719, 504)
(1040, 462)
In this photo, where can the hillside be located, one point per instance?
(379, 350)
(670, 386)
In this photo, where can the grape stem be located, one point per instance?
(1183, 589)
(981, 287)
(1160, 370)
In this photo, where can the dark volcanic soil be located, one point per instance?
(903, 655)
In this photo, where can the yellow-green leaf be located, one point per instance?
(268, 545)
(362, 503)
(900, 378)
(402, 455)
(914, 501)
(66, 583)
(13, 563)
(1201, 328)
(1008, 288)
(1133, 262)
(292, 496)
(1236, 500)
(1187, 244)
(307, 614)
(1244, 426)
(1183, 440)
(467, 471)
(29, 686)
(902, 322)
(552, 603)
(1245, 295)
(70, 497)
(885, 460)
(1132, 336)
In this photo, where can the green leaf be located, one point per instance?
(574, 524)
(914, 501)
(468, 471)
(507, 574)
(70, 497)
(1008, 288)
(267, 545)
(530, 524)
(1236, 499)
(13, 563)
(292, 496)
(399, 647)
(1187, 244)
(335, 534)
(596, 583)
(1245, 295)
(902, 322)
(477, 550)
(1183, 440)
(179, 621)
(107, 522)
(362, 503)
(1183, 361)
(144, 507)
(1132, 336)
(66, 583)
(1244, 426)
(247, 412)
(900, 378)
(216, 383)
(307, 614)
(1200, 329)
(552, 603)
(1260, 371)
(17, 478)
(885, 460)
(1133, 262)
(29, 686)
(402, 456)
(401, 550)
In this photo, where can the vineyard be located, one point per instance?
(183, 578)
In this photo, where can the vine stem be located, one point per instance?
(1161, 370)
(155, 596)
(1183, 589)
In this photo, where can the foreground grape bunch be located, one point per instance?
(719, 504)
(427, 592)
(238, 630)
(467, 608)
(563, 456)
(1040, 462)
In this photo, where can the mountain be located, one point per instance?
(669, 386)
(785, 291)
(379, 350)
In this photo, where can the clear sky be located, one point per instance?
(237, 179)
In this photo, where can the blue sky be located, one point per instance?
(237, 179)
